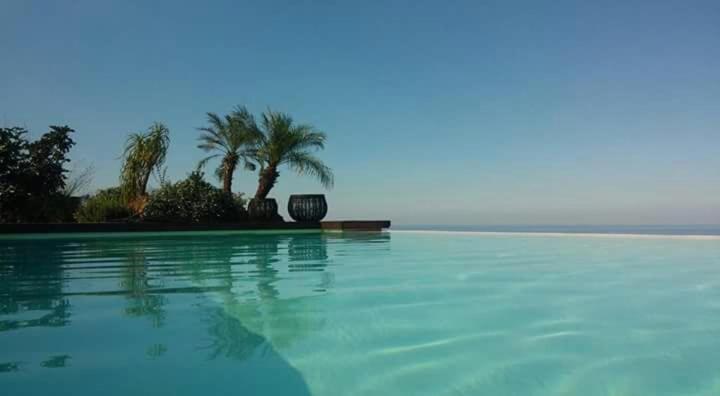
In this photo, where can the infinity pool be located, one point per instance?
(397, 313)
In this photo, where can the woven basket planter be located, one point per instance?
(265, 209)
(307, 207)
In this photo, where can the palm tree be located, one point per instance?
(143, 154)
(232, 138)
(280, 143)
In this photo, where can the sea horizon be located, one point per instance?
(663, 229)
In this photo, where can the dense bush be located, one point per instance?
(193, 200)
(106, 205)
(32, 175)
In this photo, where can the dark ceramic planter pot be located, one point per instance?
(264, 209)
(307, 207)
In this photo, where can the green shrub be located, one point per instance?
(193, 200)
(106, 205)
(59, 208)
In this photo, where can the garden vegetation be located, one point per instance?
(36, 186)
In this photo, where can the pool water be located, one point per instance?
(397, 313)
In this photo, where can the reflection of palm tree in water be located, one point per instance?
(264, 371)
(268, 317)
(281, 320)
(229, 338)
(215, 266)
(263, 255)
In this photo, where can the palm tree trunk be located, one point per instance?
(142, 188)
(268, 177)
(228, 175)
(137, 203)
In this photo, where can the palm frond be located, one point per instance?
(211, 143)
(241, 113)
(306, 137)
(212, 132)
(248, 165)
(205, 160)
(219, 172)
(215, 121)
(307, 164)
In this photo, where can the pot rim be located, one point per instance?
(306, 195)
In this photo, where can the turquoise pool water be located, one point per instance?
(359, 314)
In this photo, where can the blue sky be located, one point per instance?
(466, 112)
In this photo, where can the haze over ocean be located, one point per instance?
(611, 230)
(468, 112)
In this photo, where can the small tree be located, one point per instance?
(285, 143)
(144, 154)
(231, 138)
(78, 180)
(33, 174)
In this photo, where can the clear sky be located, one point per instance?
(464, 112)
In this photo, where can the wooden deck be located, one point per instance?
(342, 225)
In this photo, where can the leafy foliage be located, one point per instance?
(106, 205)
(232, 138)
(14, 172)
(32, 175)
(193, 200)
(144, 154)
